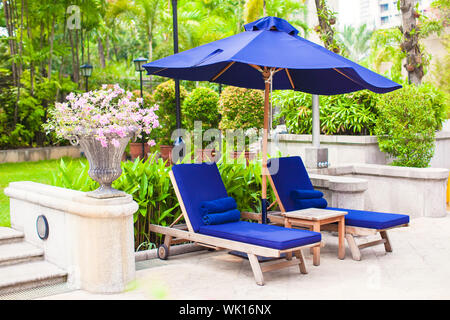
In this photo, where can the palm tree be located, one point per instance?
(356, 41)
(145, 13)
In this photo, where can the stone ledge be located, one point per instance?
(71, 201)
(338, 183)
(404, 172)
(328, 139)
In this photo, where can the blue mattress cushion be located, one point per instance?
(372, 220)
(198, 182)
(264, 235)
(289, 174)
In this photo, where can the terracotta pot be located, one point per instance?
(248, 155)
(166, 153)
(205, 155)
(136, 150)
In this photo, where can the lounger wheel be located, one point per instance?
(163, 252)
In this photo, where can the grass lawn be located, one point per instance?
(39, 171)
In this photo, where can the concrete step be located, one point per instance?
(19, 252)
(29, 275)
(8, 235)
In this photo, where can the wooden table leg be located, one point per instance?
(287, 224)
(341, 231)
(316, 249)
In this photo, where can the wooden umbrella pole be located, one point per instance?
(267, 76)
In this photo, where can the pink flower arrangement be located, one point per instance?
(109, 113)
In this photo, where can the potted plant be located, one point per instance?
(242, 109)
(200, 111)
(164, 97)
(102, 122)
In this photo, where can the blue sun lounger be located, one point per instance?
(290, 174)
(196, 184)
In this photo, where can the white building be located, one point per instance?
(376, 14)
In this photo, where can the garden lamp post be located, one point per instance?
(179, 143)
(86, 72)
(138, 63)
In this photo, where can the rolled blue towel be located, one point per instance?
(306, 194)
(320, 203)
(223, 217)
(217, 206)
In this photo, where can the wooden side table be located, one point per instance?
(313, 219)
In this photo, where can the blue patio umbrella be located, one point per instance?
(270, 52)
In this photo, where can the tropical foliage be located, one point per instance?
(350, 114)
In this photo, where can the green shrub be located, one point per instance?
(241, 108)
(201, 105)
(406, 126)
(164, 97)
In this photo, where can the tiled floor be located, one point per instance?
(419, 268)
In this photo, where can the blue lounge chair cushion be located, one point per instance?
(372, 220)
(289, 173)
(218, 205)
(320, 203)
(306, 194)
(198, 182)
(264, 235)
(222, 217)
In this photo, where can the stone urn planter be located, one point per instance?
(102, 122)
(104, 162)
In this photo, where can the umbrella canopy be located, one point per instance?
(271, 42)
(270, 53)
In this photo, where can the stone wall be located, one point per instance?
(37, 154)
(92, 239)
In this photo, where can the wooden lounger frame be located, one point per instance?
(351, 232)
(178, 233)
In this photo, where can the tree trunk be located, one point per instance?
(326, 31)
(9, 19)
(30, 37)
(410, 43)
(51, 39)
(101, 52)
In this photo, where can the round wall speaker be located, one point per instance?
(42, 227)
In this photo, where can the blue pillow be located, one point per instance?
(222, 217)
(217, 206)
(306, 194)
(320, 203)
